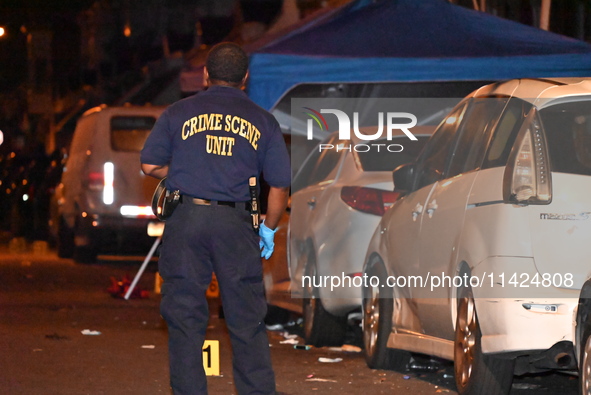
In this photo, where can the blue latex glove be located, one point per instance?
(266, 244)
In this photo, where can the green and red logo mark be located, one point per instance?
(315, 115)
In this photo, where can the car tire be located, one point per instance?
(320, 327)
(65, 239)
(377, 312)
(475, 372)
(585, 357)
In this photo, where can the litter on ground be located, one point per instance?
(89, 332)
(346, 348)
(329, 360)
(321, 380)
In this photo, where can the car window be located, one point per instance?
(300, 180)
(129, 133)
(568, 131)
(384, 160)
(505, 133)
(432, 160)
(318, 165)
(481, 116)
(328, 161)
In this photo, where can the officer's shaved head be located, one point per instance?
(227, 62)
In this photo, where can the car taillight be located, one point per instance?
(369, 200)
(528, 179)
(95, 181)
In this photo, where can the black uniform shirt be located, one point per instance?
(214, 142)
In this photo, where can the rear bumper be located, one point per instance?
(560, 356)
(114, 233)
(508, 326)
(526, 320)
(122, 223)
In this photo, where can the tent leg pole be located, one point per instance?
(545, 14)
(142, 268)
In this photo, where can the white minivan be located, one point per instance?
(103, 200)
(485, 260)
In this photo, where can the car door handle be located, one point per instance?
(431, 208)
(417, 211)
(312, 203)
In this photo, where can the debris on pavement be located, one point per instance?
(276, 327)
(526, 386)
(55, 336)
(346, 348)
(321, 380)
(302, 347)
(119, 288)
(89, 332)
(289, 341)
(329, 360)
(149, 346)
(427, 366)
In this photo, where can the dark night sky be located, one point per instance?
(56, 15)
(61, 18)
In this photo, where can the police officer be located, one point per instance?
(208, 146)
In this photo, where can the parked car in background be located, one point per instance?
(338, 197)
(15, 169)
(27, 182)
(484, 259)
(103, 200)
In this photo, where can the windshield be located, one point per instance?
(568, 131)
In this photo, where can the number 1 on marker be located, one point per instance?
(211, 357)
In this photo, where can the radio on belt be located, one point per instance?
(254, 203)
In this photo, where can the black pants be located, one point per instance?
(198, 240)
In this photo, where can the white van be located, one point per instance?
(103, 200)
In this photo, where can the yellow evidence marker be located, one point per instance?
(211, 357)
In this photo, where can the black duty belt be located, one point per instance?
(206, 202)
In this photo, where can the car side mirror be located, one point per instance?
(403, 177)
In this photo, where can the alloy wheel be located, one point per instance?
(586, 368)
(371, 317)
(465, 348)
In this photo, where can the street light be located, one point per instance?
(2, 31)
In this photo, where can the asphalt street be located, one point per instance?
(62, 333)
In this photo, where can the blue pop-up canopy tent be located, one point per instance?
(410, 41)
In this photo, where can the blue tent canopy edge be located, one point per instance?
(411, 41)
